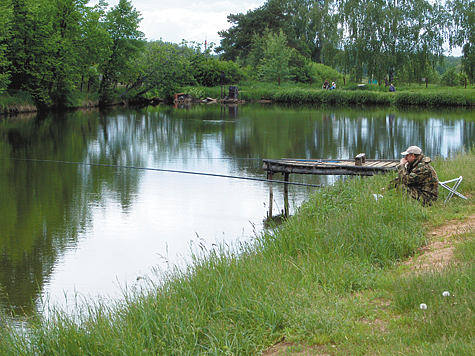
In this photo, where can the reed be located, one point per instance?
(328, 278)
(19, 102)
(349, 94)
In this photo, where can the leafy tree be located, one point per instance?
(300, 68)
(313, 26)
(275, 64)
(468, 61)
(207, 71)
(5, 23)
(308, 25)
(121, 23)
(237, 40)
(66, 56)
(30, 48)
(382, 36)
(463, 17)
(161, 69)
(94, 46)
(450, 78)
(48, 50)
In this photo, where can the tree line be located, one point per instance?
(380, 39)
(55, 49)
(59, 50)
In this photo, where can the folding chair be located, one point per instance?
(452, 190)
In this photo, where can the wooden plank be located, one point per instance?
(329, 167)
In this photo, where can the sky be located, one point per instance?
(193, 21)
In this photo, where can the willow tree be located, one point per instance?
(381, 36)
(463, 17)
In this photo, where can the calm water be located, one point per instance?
(69, 228)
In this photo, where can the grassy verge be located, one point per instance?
(350, 94)
(329, 281)
(20, 102)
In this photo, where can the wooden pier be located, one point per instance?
(358, 166)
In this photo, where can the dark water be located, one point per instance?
(72, 230)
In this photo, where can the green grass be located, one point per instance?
(19, 102)
(328, 281)
(349, 94)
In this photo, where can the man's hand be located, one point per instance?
(403, 161)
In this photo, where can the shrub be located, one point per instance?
(322, 72)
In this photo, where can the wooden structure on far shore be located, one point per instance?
(359, 166)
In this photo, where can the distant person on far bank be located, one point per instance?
(333, 86)
(326, 85)
(416, 176)
(392, 88)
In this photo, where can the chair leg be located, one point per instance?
(453, 190)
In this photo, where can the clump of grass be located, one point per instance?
(322, 278)
(16, 103)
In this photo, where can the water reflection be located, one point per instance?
(89, 228)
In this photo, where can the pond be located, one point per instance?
(93, 201)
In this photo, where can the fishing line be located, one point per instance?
(162, 170)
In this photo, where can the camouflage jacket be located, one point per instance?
(419, 179)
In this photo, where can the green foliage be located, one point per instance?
(274, 65)
(207, 71)
(305, 24)
(300, 68)
(121, 23)
(451, 78)
(435, 98)
(159, 71)
(468, 61)
(5, 23)
(321, 72)
(20, 102)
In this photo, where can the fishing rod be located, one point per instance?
(162, 170)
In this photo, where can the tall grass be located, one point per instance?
(19, 102)
(349, 94)
(326, 277)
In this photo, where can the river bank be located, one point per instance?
(351, 94)
(331, 280)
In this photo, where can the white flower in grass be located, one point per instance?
(423, 306)
(446, 294)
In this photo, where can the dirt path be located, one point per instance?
(440, 250)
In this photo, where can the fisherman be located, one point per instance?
(416, 176)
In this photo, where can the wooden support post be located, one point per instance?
(271, 194)
(360, 159)
(286, 195)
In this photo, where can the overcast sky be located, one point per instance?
(173, 21)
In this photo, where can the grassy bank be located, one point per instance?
(329, 281)
(22, 102)
(349, 94)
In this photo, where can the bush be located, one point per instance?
(322, 72)
(207, 72)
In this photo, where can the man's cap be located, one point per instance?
(412, 149)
